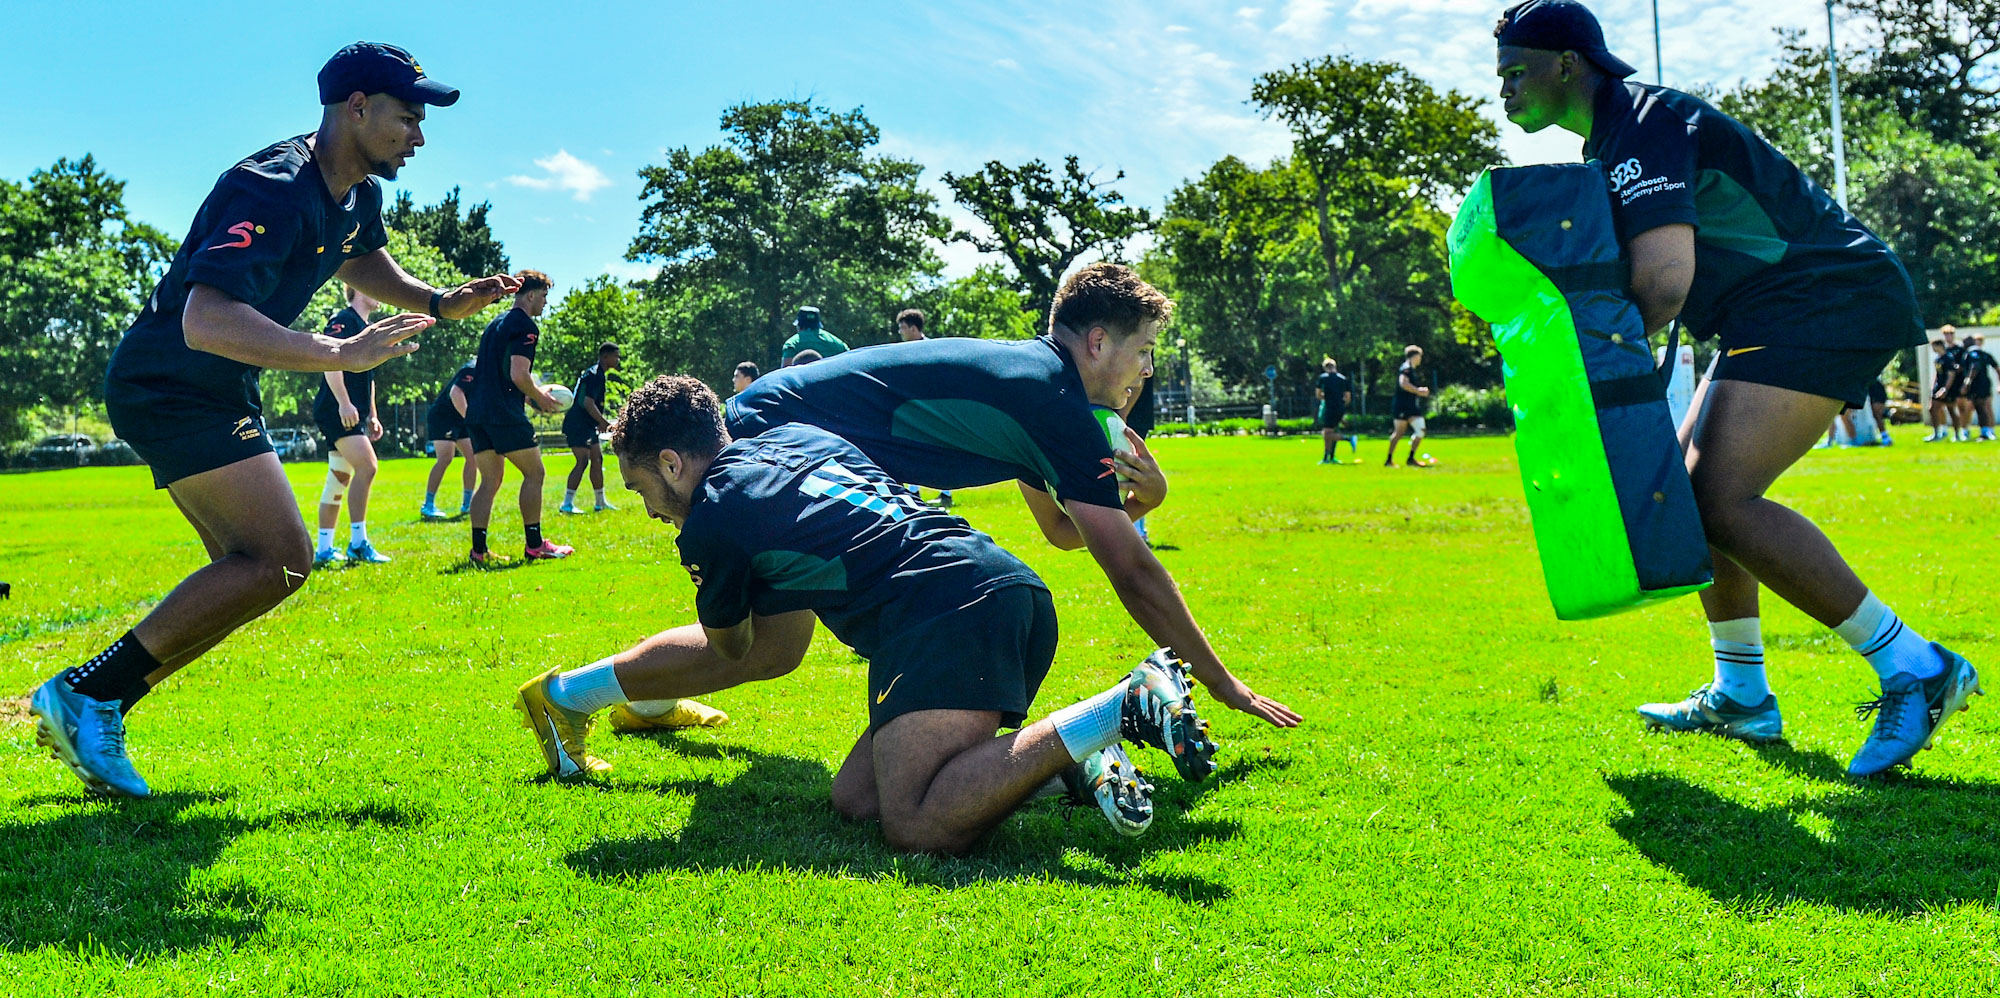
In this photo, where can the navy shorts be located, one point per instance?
(1329, 418)
(580, 436)
(990, 654)
(444, 428)
(503, 437)
(1834, 374)
(205, 449)
(331, 431)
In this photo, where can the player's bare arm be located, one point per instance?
(380, 277)
(524, 379)
(1662, 272)
(1154, 601)
(216, 323)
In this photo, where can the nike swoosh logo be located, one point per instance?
(884, 695)
(1738, 350)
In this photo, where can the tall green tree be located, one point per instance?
(1042, 222)
(791, 209)
(602, 311)
(1937, 64)
(466, 241)
(74, 271)
(1380, 149)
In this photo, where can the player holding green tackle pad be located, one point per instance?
(1722, 232)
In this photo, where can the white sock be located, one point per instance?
(1889, 645)
(589, 689)
(325, 538)
(1739, 659)
(652, 708)
(1089, 725)
(569, 497)
(357, 535)
(600, 498)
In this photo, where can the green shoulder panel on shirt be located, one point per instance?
(799, 571)
(973, 427)
(1730, 218)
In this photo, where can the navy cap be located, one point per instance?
(1558, 26)
(376, 68)
(808, 317)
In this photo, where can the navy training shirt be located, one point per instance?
(269, 235)
(949, 414)
(441, 407)
(1777, 261)
(799, 519)
(589, 385)
(359, 384)
(1977, 365)
(494, 397)
(1335, 386)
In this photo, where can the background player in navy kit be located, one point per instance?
(1979, 368)
(957, 632)
(581, 425)
(1335, 393)
(1947, 386)
(182, 387)
(344, 409)
(1413, 393)
(1723, 232)
(503, 382)
(444, 427)
(957, 412)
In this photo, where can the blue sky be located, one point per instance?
(564, 102)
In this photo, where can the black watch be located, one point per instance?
(436, 298)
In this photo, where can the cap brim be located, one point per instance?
(1602, 57)
(424, 90)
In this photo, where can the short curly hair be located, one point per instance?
(1110, 295)
(532, 280)
(671, 412)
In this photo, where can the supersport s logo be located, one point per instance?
(243, 232)
(1624, 173)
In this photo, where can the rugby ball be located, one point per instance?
(563, 396)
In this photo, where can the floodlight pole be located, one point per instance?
(1839, 136)
(1659, 64)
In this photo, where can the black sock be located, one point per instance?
(534, 535)
(116, 673)
(479, 540)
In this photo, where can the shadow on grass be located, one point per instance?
(1899, 845)
(775, 815)
(465, 565)
(120, 876)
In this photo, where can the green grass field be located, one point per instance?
(346, 804)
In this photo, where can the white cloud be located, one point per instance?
(1006, 64)
(1304, 19)
(628, 270)
(566, 173)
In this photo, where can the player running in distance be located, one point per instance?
(1723, 232)
(958, 633)
(182, 387)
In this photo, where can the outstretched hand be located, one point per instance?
(382, 341)
(470, 297)
(1232, 693)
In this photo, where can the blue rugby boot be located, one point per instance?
(1108, 781)
(365, 553)
(88, 736)
(1710, 710)
(1910, 711)
(1158, 711)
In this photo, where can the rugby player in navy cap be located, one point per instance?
(1725, 234)
(182, 387)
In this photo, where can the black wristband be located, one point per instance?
(436, 297)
